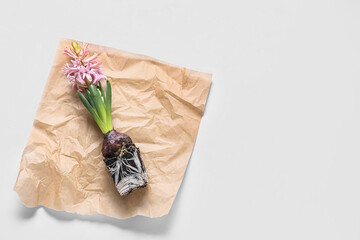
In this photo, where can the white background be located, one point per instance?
(277, 155)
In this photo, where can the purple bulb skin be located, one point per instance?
(112, 143)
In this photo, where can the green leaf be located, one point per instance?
(99, 104)
(92, 112)
(88, 97)
(108, 105)
(102, 93)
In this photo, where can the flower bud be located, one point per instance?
(76, 47)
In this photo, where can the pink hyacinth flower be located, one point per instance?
(82, 71)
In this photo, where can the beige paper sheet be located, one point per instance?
(157, 104)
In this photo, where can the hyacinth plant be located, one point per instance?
(85, 74)
(121, 156)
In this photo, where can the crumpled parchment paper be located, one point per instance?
(157, 104)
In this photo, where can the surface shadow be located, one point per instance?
(208, 97)
(27, 213)
(154, 226)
